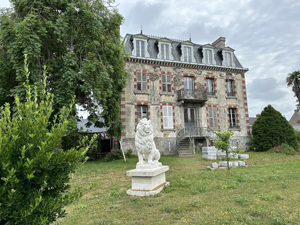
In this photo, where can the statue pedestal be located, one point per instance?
(147, 181)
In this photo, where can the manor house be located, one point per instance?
(187, 90)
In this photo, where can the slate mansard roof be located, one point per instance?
(176, 51)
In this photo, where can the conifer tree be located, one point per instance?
(272, 129)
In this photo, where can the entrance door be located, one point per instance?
(189, 117)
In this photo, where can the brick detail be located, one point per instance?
(215, 82)
(123, 113)
(207, 115)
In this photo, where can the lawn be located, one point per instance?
(267, 192)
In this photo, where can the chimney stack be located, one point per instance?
(220, 42)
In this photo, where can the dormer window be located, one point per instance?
(227, 54)
(187, 54)
(208, 54)
(164, 48)
(140, 48)
(208, 57)
(140, 45)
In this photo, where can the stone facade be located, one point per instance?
(174, 95)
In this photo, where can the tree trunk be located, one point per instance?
(227, 159)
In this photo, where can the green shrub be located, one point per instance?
(92, 152)
(288, 150)
(34, 173)
(113, 155)
(272, 129)
(129, 153)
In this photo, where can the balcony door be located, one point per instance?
(188, 86)
(189, 118)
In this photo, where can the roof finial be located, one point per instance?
(190, 37)
(141, 28)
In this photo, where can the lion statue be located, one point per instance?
(144, 144)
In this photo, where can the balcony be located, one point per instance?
(191, 95)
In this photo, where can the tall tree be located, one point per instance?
(272, 129)
(78, 41)
(293, 79)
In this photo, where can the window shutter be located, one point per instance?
(144, 82)
(210, 116)
(167, 117)
(215, 119)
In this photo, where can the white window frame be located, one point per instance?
(141, 81)
(230, 87)
(165, 51)
(142, 111)
(136, 38)
(232, 118)
(187, 54)
(166, 83)
(206, 58)
(212, 117)
(228, 54)
(168, 117)
(140, 48)
(210, 83)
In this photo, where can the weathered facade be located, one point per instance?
(187, 90)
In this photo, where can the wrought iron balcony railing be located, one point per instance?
(191, 95)
(192, 132)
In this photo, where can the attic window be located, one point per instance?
(164, 48)
(140, 48)
(208, 56)
(187, 51)
(228, 61)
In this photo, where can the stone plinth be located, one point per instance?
(147, 181)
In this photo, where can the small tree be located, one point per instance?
(223, 143)
(272, 129)
(33, 172)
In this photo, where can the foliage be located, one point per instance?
(113, 155)
(34, 172)
(80, 44)
(272, 129)
(284, 148)
(223, 143)
(129, 153)
(293, 79)
(297, 133)
(73, 139)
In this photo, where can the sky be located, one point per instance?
(264, 33)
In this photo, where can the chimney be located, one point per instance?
(220, 42)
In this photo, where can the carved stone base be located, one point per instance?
(147, 182)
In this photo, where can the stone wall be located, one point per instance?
(155, 99)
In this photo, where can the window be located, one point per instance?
(141, 81)
(142, 112)
(167, 117)
(208, 56)
(227, 59)
(187, 52)
(164, 48)
(232, 117)
(212, 115)
(230, 89)
(166, 83)
(140, 48)
(210, 86)
(188, 86)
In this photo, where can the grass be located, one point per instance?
(267, 192)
